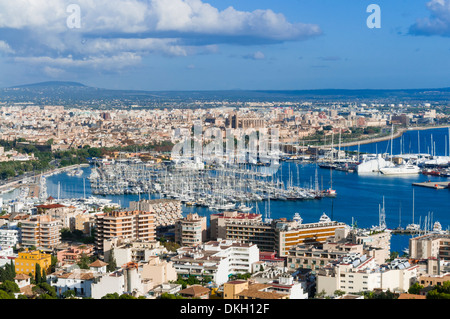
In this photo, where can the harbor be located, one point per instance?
(295, 187)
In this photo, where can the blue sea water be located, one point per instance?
(358, 200)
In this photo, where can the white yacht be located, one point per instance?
(243, 208)
(324, 218)
(403, 169)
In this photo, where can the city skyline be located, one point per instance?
(224, 45)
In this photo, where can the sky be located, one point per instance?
(162, 45)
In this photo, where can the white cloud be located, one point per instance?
(258, 55)
(4, 47)
(113, 29)
(438, 23)
(111, 63)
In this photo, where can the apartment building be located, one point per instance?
(83, 222)
(73, 254)
(191, 230)
(315, 256)
(126, 251)
(58, 212)
(41, 231)
(218, 259)
(376, 244)
(167, 211)
(357, 273)
(218, 222)
(7, 255)
(430, 246)
(9, 237)
(158, 271)
(26, 262)
(133, 225)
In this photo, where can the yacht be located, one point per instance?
(324, 218)
(243, 208)
(403, 169)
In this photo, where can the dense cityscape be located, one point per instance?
(157, 247)
(224, 158)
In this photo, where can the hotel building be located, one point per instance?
(280, 235)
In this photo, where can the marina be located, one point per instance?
(356, 199)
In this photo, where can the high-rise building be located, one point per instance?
(135, 225)
(218, 222)
(430, 246)
(41, 231)
(190, 230)
(167, 211)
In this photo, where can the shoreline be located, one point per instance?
(11, 186)
(399, 133)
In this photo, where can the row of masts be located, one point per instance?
(218, 188)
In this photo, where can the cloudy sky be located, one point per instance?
(225, 44)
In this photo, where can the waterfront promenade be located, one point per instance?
(399, 133)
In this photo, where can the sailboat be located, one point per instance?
(330, 192)
(413, 227)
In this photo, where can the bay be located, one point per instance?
(359, 196)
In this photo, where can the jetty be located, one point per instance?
(435, 185)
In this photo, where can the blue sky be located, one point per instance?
(223, 44)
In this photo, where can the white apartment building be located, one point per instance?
(78, 280)
(6, 256)
(359, 273)
(9, 237)
(218, 259)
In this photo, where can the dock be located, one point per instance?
(435, 185)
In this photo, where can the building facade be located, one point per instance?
(280, 235)
(26, 262)
(41, 232)
(430, 246)
(218, 259)
(191, 230)
(133, 225)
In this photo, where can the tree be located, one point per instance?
(44, 276)
(440, 292)
(112, 265)
(54, 261)
(8, 272)
(415, 288)
(5, 295)
(10, 287)
(38, 274)
(111, 296)
(84, 261)
(69, 294)
(45, 291)
(339, 293)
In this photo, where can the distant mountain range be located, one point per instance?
(74, 93)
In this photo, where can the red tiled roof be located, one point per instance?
(50, 206)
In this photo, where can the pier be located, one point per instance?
(435, 185)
